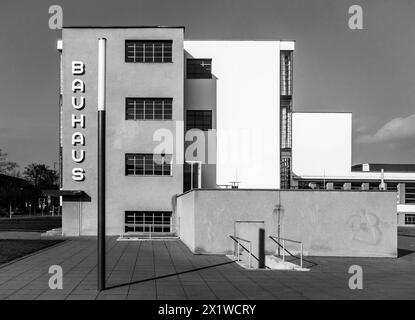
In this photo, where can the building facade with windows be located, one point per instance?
(162, 92)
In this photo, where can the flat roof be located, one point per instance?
(322, 112)
(123, 27)
(277, 190)
(173, 27)
(239, 39)
(57, 193)
(387, 167)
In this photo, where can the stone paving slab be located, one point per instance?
(167, 270)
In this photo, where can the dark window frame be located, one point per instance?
(133, 109)
(410, 193)
(148, 221)
(192, 123)
(409, 218)
(145, 165)
(286, 73)
(148, 51)
(195, 70)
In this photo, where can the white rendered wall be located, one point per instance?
(322, 144)
(247, 75)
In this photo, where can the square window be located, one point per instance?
(199, 68)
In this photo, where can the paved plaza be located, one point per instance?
(168, 270)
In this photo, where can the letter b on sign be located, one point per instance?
(78, 68)
(56, 280)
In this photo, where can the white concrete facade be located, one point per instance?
(248, 108)
(322, 144)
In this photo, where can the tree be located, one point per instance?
(6, 166)
(41, 176)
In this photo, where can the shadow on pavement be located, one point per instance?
(168, 275)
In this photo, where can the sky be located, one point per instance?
(370, 72)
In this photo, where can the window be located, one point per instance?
(148, 108)
(148, 221)
(199, 119)
(410, 193)
(410, 218)
(285, 174)
(285, 127)
(148, 51)
(199, 68)
(147, 164)
(192, 178)
(286, 73)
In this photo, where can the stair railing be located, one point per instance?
(238, 241)
(283, 240)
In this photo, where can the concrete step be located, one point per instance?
(127, 237)
(277, 263)
(57, 232)
(271, 261)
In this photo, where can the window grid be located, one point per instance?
(286, 73)
(410, 193)
(199, 119)
(148, 164)
(148, 108)
(286, 119)
(410, 218)
(148, 221)
(285, 175)
(148, 51)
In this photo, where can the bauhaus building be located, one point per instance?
(159, 83)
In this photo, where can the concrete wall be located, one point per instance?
(329, 223)
(186, 220)
(123, 80)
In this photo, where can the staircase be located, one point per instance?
(275, 263)
(243, 255)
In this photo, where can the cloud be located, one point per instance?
(396, 130)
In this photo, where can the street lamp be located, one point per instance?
(101, 162)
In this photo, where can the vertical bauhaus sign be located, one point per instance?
(78, 120)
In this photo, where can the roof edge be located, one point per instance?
(123, 27)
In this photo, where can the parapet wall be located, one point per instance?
(329, 223)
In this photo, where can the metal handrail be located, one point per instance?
(274, 238)
(281, 238)
(238, 239)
